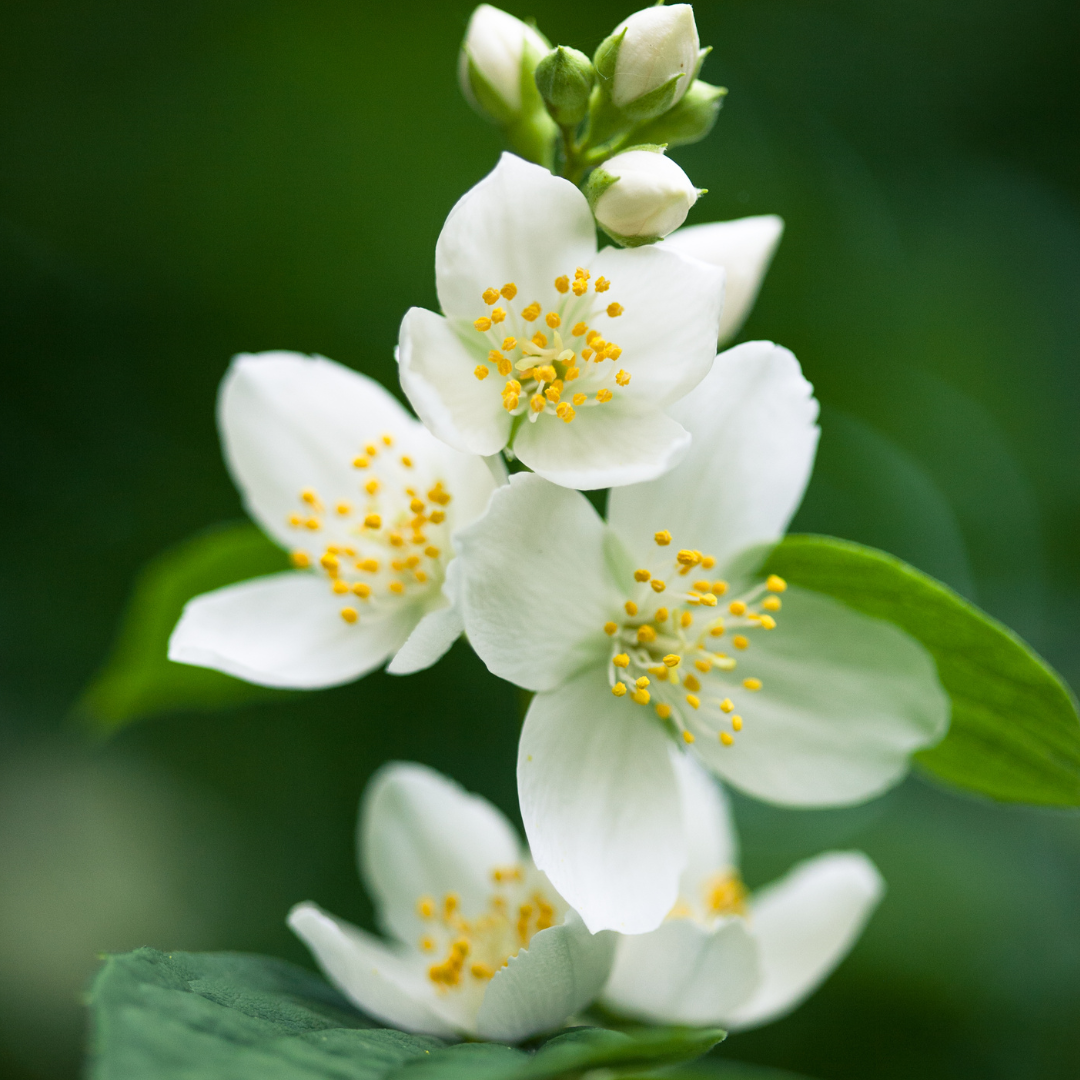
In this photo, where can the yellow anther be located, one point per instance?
(406, 461)
(690, 681)
(312, 524)
(708, 562)
(642, 575)
(709, 600)
(437, 517)
(504, 367)
(565, 413)
(693, 701)
(427, 944)
(425, 907)
(360, 463)
(701, 586)
(432, 552)
(767, 622)
(727, 705)
(450, 905)
(388, 440)
(539, 339)
(481, 372)
(663, 711)
(717, 630)
(661, 614)
(580, 287)
(498, 314)
(373, 521)
(509, 343)
(672, 660)
(300, 559)
(581, 274)
(685, 619)
(490, 296)
(340, 586)
(659, 672)
(349, 614)
(586, 353)
(622, 377)
(310, 498)
(615, 310)
(417, 506)
(370, 565)
(396, 587)
(775, 584)
(603, 395)
(619, 689)
(438, 494)
(688, 736)
(718, 588)
(562, 284)
(397, 540)
(553, 320)
(630, 607)
(420, 576)
(657, 585)
(532, 312)
(613, 352)
(622, 660)
(739, 641)
(412, 562)
(483, 324)
(552, 393)
(509, 291)
(610, 628)
(362, 589)
(737, 607)
(329, 562)
(646, 634)
(752, 684)
(642, 682)
(736, 722)
(726, 738)
(687, 557)
(481, 971)
(343, 508)
(371, 449)
(663, 538)
(371, 487)
(536, 403)
(640, 697)
(571, 374)
(772, 603)
(602, 284)
(579, 329)
(704, 666)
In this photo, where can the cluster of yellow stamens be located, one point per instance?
(539, 369)
(666, 651)
(723, 893)
(386, 538)
(473, 948)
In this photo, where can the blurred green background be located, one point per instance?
(180, 182)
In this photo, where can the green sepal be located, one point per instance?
(606, 55)
(1015, 729)
(565, 78)
(486, 100)
(689, 120)
(655, 102)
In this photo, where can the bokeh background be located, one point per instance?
(180, 182)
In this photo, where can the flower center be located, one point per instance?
(723, 893)
(385, 541)
(670, 641)
(475, 948)
(566, 366)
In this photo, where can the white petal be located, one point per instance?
(286, 630)
(712, 846)
(436, 371)
(561, 972)
(667, 331)
(683, 973)
(620, 442)
(536, 584)
(290, 422)
(429, 642)
(370, 975)
(422, 835)
(519, 224)
(744, 248)
(600, 804)
(805, 924)
(753, 422)
(846, 701)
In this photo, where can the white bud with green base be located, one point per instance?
(689, 121)
(496, 69)
(639, 196)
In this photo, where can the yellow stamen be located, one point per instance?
(692, 701)
(663, 538)
(739, 641)
(483, 324)
(373, 521)
(610, 628)
(509, 291)
(362, 589)
(532, 312)
(688, 736)
(657, 585)
(602, 284)
(646, 634)
(498, 314)
(349, 614)
(360, 463)
(622, 378)
(396, 587)
(579, 329)
(603, 395)
(727, 705)
(672, 660)
(752, 684)
(562, 284)
(663, 711)
(726, 739)
(621, 660)
(615, 310)
(736, 722)
(481, 372)
(642, 575)
(775, 584)
(619, 689)
(490, 296)
(509, 343)
(640, 697)
(642, 682)
(300, 559)
(772, 603)
(630, 607)
(553, 320)
(737, 607)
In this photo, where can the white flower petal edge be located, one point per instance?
(283, 631)
(744, 248)
(600, 806)
(753, 420)
(560, 973)
(805, 924)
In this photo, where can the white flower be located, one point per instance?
(653, 629)
(500, 50)
(744, 248)
(566, 354)
(660, 43)
(650, 198)
(730, 958)
(336, 471)
(480, 943)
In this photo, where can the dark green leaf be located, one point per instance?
(720, 1069)
(138, 679)
(181, 1016)
(1015, 730)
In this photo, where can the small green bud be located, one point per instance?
(689, 121)
(565, 80)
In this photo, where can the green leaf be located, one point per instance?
(176, 1016)
(138, 679)
(720, 1069)
(1015, 730)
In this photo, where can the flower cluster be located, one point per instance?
(660, 658)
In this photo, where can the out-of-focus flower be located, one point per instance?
(481, 944)
(640, 196)
(654, 629)
(744, 248)
(566, 355)
(725, 956)
(333, 469)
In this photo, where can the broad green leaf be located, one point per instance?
(176, 1016)
(1015, 730)
(138, 679)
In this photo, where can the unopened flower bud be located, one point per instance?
(650, 60)
(639, 196)
(689, 121)
(565, 79)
